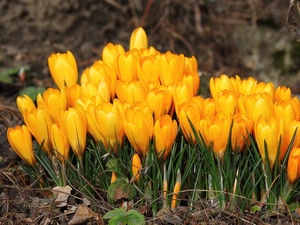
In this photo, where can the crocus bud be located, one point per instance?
(20, 140)
(136, 165)
(63, 69)
(113, 177)
(138, 39)
(176, 190)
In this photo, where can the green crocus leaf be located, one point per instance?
(32, 92)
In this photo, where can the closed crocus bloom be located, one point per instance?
(245, 86)
(109, 118)
(282, 93)
(192, 79)
(20, 140)
(164, 133)
(289, 132)
(147, 69)
(268, 132)
(216, 85)
(293, 167)
(101, 72)
(92, 74)
(226, 103)
(159, 101)
(113, 177)
(131, 92)
(209, 107)
(138, 39)
(171, 68)
(181, 93)
(215, 132)
(189, 114)
(151, 51)
(90, 89)
(136, 166)
(138, 126)
(25, 102)
(126, 66)
(255, 105)
(242, 126)
(60, 143)
(110, 51)
(92, 123)
(176, 190)
(52, 101)
(63, 69)
(73, 94)
(74, 124)
(262, 87)
(190, 65)
(285, 111)
(296, 106)
(39, 123)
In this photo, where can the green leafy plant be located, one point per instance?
(121, 217)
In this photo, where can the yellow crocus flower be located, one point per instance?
(39, 123)
(73, 122)
(110, 52)
(215, 132)
(60, 143)
(216, 85)
(52, 101)
(136, 166)
(109, 118)
(138, 39)
(190, 113)
(20, 140)
(132, 91)
(159, 101)
(25, 103)
(164, 133)
(147, 69)
(171, 68)
(268, 132)
(293, 167)
(138, 126)
(63, 69)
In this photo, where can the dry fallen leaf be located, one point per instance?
(63, 194)
(166, 215)
(83, 214)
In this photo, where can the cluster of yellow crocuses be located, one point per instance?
(145, 94)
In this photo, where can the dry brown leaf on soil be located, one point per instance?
(63, 194)
(166, 215)
(83, 214)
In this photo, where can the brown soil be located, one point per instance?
(31, 30)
